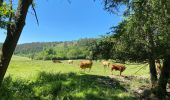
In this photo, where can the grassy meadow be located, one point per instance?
(44, 80)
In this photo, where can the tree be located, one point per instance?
(149, 19)
(153, 23)
(102, 48)
(14, 29)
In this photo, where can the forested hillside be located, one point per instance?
(79, 49)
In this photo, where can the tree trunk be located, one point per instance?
(153, 73)
(13, 33)
(165, 72)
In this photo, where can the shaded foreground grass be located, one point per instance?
(44, 80)
(60, 86)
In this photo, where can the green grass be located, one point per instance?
(33, 79)
(25, 68)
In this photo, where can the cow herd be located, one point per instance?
(87, 64)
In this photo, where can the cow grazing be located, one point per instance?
(55, 60)
(70, 61)
(86, 64)
(118, 67)
(158, 67)
(106, 64)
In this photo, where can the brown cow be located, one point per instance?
(118, 67)
(86, 64)
(55, 60)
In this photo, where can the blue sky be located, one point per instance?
(61, 21)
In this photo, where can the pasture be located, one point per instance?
(44, 80)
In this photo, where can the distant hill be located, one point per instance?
(35, 47)
(79, 49)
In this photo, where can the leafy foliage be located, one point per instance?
(144, 31)
(5, 13)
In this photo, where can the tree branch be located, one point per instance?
(32, 5)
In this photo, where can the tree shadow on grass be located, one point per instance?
(67, 86)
